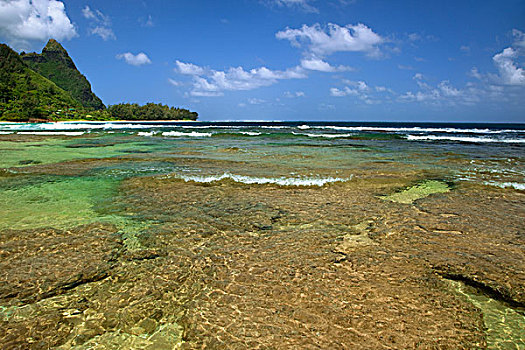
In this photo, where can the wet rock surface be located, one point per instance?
(227, 265)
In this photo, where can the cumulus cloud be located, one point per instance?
(448, 90)
(188, 68)
(23, 21)
(334, 38)
(209, 82)
(100, 24)
(343, 92)
(354, 88)
(360, 91)
(318, 64)
(300, 4)
(509, 72)
(134, 60)
(444, 92)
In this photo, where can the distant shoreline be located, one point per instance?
(105, 121)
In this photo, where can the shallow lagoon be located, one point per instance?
(301, 235)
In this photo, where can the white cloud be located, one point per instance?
(188, 68)
(448, 90)
(474, 72)
(360, 85)
(509, 73)
(206, 93)
(300, 4)
(135, 60)
(105, 33)
(414, 37)
(334, 38)
(208, 82)
(519, 38)
(289, 94)
(100, 24)
(445, 93)
(346, 91)
(318, 64)
(255, 101)
(361, 91)
(174, 82)
(87, 13)
(22, 21)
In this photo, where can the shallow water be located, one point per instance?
(197, 223)
(505, 325)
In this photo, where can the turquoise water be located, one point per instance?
(314, 154)
(69, 174)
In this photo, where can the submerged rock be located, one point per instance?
(418, 191)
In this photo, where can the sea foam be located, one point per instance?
(417, 129)
(52, 133)
(186, 134)
(328, 136)
(515, 185)
(461, 139)
(281, 181)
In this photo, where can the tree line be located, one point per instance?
(149, 111)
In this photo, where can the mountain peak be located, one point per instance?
(53, 45)
(55, 64)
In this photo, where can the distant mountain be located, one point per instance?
(25, 94)
(55, 64)
(48, 87)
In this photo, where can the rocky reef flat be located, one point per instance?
(380, 255)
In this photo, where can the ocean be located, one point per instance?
(302, 234)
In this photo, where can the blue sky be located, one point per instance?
(292, 59)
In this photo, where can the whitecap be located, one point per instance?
(52, 133)
(515, 185)
(329, 136)
(144, 133)
(461, 139)
(212, 126)
(281, 181)
(186, 134)
(419, 129)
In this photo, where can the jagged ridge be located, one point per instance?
(55, 64)
(25, 94)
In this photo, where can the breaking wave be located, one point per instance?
(417, 129)
(186, 134)
(515, 185)
(461, 139)
(281, 181)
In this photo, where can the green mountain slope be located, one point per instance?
(55, 64)
(25, 94)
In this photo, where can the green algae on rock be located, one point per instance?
(504, 324)
(61, 203)
(418, 191)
